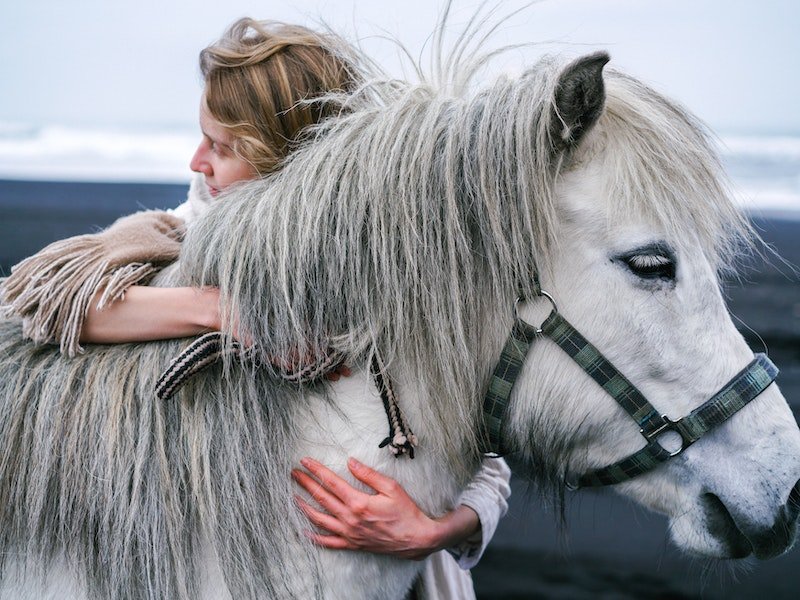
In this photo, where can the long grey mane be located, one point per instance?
(409, 224)
(419, 214)
(397, 228)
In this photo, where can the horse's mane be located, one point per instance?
(100, 480)
(413, 221)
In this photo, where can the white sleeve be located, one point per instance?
(487, 495)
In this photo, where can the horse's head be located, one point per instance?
(643, 228)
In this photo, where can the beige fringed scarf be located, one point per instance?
(53, 290)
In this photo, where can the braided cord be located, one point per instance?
(401, 439)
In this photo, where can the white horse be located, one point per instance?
(410, 224)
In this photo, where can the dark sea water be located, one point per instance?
(35, 213)
(607, 547)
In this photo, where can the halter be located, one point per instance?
(733, 396)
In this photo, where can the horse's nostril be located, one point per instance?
(722, 526)
(793, 504)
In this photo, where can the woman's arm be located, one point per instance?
(151, 313)
(387, 522)
(487, 494)
(53, 290)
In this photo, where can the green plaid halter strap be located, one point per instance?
(739, 391)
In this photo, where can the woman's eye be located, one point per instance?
(650, 266)
(220, 149)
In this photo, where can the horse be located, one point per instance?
(423, 222)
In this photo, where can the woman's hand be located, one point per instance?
(387, 522)
(297, 362)
(294, 363)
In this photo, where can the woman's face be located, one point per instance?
(215, 157)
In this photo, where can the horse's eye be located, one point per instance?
(650, 266)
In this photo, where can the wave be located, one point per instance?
(76, 154)
(778, 147)
(765, 169)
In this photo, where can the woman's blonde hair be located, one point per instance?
(258, 79)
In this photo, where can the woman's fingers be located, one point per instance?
(319, 492)
(345, 492)
(334, 537)
(320, 519)
(332, 483)
(331, 541)
(377, 481)
(338, 372)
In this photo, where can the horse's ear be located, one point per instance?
(579, 99)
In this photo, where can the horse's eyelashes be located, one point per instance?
(649, 262)
(650, 266)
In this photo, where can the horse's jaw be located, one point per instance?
(732, 494)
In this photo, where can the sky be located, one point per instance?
(97, 63)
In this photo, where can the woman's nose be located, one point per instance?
(199, 162)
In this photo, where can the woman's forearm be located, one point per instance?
(455, 528)
(151, 313)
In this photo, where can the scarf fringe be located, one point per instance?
(52, 291)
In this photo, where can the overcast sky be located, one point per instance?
(98, 63)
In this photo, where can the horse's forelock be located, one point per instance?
(659, 161)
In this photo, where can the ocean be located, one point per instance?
(765, 168)
(57, 182)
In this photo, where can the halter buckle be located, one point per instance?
(665, 426)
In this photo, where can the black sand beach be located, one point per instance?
(607, 548)
(35, 213)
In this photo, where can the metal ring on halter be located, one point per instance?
(521, 299)
(667, 426)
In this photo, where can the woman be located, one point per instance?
(260, 80)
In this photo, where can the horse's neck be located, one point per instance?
(355, 423)
(352, 422)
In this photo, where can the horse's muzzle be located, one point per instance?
(742, 538)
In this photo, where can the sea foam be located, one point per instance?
(57, 153)
(765, 170)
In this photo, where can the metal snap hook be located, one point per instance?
(571, 482)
